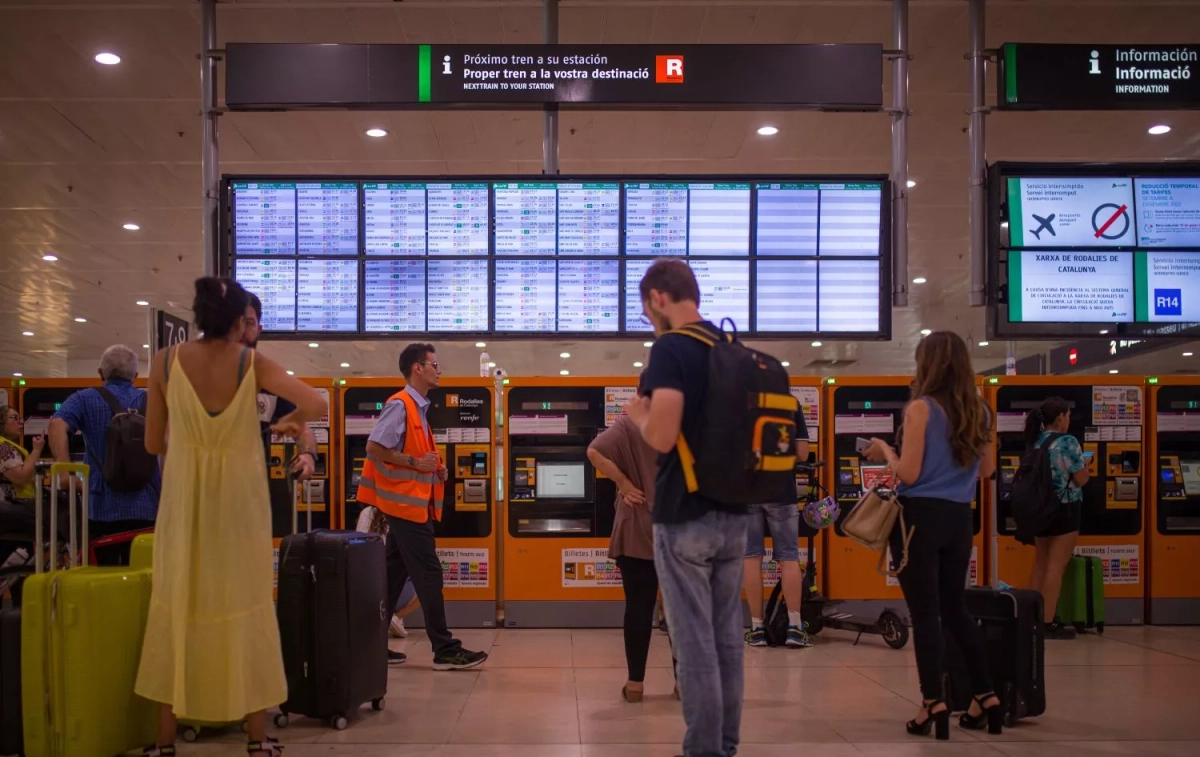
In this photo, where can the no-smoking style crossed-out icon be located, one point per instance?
(1110, 221)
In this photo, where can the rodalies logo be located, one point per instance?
(668, 69)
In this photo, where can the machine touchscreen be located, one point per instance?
(561, 480)
(1191, 477)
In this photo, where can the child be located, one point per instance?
(371, 521)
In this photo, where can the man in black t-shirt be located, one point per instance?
(699, 543)
(270, 410)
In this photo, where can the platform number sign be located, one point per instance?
(1168, 302)
(171, 330)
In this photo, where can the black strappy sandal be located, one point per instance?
(992, 717)
(270, 747)
(159, 751)
(938, 721)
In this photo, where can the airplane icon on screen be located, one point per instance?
(1045, 225)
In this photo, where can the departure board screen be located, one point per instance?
(457, 295)
(394, 295)
(274, 281)
(327, 295)
(457, 218)
(589, 295)
(394, 218)
(528, 256)
(526, 295)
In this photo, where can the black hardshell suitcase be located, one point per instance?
(12, 740)
(1015, 640)
(333, 624)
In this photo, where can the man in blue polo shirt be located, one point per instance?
(87, 412)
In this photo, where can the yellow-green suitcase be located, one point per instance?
(81, 643)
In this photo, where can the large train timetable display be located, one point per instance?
(528, 256)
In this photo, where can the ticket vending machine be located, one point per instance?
(864, 406)
(40, 399)
(1107, 414)
(316, 493)
(557, 572)
(1173, 494)
(461, 414)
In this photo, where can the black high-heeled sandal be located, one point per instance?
(938, 721)
(270, 747)
(992, 717)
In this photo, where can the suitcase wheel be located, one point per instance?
(245, 727)
(1100, 628)
(190, 734)
(1079, 627)
(895, 632)
(281, 720)
(339, 723)
(377, 704)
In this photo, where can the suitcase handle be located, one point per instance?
(292, 484)
(75, 471)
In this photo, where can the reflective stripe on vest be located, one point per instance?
(399, 491)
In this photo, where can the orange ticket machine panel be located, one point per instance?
(1107, 415)
(460, 413)
(866, 407)
(40, 399)
(316, 493)
(1174, 500)
(557, 571)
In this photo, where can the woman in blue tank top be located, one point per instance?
(947, 446)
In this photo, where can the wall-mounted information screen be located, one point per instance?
(529, 256)
(1096, 249)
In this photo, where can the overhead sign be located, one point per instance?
(170, 330)
(395, 77)
(1081, 211)
(1070, 287)
(1168, 212)
(1099, 77)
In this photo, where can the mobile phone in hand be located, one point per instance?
(861, 445)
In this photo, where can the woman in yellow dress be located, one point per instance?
(212, 650)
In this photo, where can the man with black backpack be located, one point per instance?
(124, 479)
(723, 420)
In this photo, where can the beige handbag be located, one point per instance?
(871, 521)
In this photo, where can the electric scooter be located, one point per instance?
(820, 613)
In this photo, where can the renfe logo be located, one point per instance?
(668, 69)
(451, 400)
(1168, 302)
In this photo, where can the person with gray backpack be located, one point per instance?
(125, 479)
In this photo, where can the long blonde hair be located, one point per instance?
(944, 374)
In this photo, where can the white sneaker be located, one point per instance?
(397, 630)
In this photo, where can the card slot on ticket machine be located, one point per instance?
(1124, 470)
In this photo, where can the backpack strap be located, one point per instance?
(701, 334)
(687, 461)
(110, 399)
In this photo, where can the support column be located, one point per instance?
(900, 153)
(977, 192)
(209, 171)
(550, 111)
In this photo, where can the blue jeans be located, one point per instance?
(700, 571)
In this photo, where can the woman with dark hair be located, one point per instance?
(1056, 542)
(212, 651)
(16, 480)
(947, 446)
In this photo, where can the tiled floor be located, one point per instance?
(556, 693)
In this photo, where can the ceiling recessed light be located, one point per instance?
(18, 375)
(911, 184)
(984, 344)
(50, 258)
(81, 320)
(920, 280)
(108, 59)
(768, 131)
(564, 372)
(1004, 224)
(314, 345)
(491, 365)
(481, 344)
(30, 333)
(785, 364)
(564, 355)
(131, 227)
(638, 364)
(926, 332)
(1159, 129)
(1114, 370)
(1103, 331)
(142, 303)
(816, 344)
(291, 373)
(145, 346)
(647, 344)
(377, 133)
(1186, 354)
(345, 365)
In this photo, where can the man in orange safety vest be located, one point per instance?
(404, 478)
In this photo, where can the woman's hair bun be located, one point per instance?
(219, 303)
